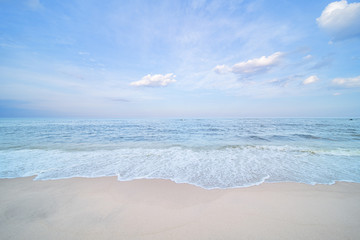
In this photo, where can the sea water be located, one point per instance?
(211, 153)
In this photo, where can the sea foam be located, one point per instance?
(209, 153)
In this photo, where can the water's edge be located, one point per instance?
(34, 178)
(210, 153)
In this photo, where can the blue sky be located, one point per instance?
(134, 59)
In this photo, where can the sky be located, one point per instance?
(179, 59)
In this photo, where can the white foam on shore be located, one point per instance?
(205, 167)
(211, 153)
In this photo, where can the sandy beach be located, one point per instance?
(104, 208)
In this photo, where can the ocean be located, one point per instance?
(210, 153)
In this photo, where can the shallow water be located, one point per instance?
(211, 153)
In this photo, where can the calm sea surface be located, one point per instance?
(211, 153)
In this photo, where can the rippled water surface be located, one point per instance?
(211, 153)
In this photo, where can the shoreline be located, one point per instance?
(105, 208)
(33, 178)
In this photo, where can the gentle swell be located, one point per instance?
(211, 153)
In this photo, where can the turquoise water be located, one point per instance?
(211, 153)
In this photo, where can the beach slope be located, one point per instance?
(104, 208)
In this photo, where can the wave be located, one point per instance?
(141, 146)
(306, 136)
(225, 167)
(211, 153)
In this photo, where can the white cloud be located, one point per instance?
(220, 69)
(257, 64)
(347, 82)
(341, 20)
(310, 80)
(307, 57)
(156, 80)
(253, 66)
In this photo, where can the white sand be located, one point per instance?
(103, 208)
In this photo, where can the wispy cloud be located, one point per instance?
(89, 59)
(118, 100)
(83, 53)
(11, 45)
(221, 69)
(323, 62)
(34, 4)
(341, 20)
(156, 80)
(284, 82)
(70, 88)
(308, 57)
(347, 82)
(257, 65)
